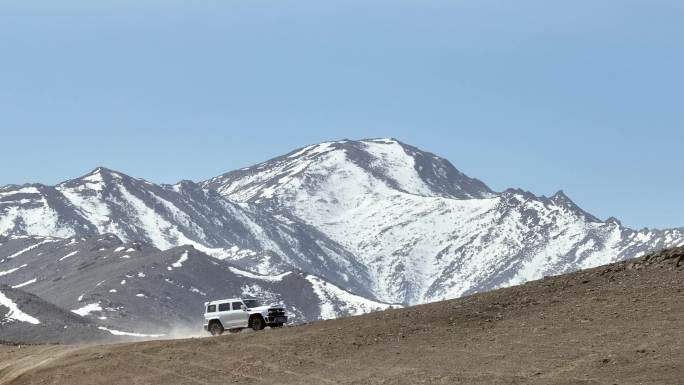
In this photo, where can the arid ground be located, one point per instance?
(618, 324)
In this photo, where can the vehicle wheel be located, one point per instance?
(273, 326)
(234, 331)
(215, 328)
(258, 323)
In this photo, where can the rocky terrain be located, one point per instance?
(135, 289)
(28, 318)
(617, 324)
(110, 202)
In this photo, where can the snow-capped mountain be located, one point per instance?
(165, 216)
(370, 164)
(372, 220)
(132, 288)
(424, 230)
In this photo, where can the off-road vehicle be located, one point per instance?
(235, 314)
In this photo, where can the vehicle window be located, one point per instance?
(237, 305)
(250, 303)
(224, 306)
(211, 309)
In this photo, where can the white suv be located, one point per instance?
(236, 314)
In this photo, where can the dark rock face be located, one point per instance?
(673, 257)
(136, 288)
(106, 201)
(56, 325)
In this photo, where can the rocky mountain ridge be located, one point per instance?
(424, 230)
(376, 218)
(134, 289)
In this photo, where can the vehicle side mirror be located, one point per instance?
(243, 307)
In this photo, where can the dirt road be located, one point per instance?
(621, 324)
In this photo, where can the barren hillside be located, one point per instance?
(617, 324)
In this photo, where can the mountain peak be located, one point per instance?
(560, 194)
(377, 162)
(383, 140)
(103, 171)
(96, 179)
(561, 199)
(614, 220)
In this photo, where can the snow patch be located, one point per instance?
(32, 247)
(120, 333)
(300, 152)
(335, 301)
(269, 278)
(87, 309)
(10, 271)
(15, 313)
(179, 262)
(198, 291)
(29, 282)
(68, 255)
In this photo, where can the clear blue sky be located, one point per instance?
(584, 96)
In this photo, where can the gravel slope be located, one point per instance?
(617, 324)
(47, 322)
